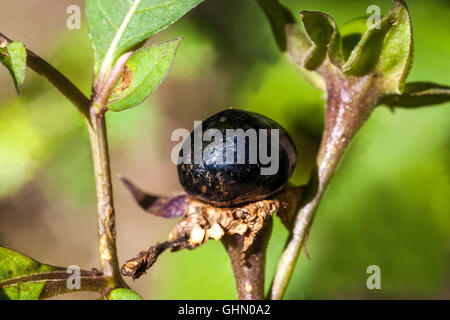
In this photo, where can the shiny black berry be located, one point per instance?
(248, 157)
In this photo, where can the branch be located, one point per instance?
(373, 73)
(105, 207)
(343, 119)
(64, 85)
(100, 155)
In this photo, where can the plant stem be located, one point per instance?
(105, 206)
(249, 266)
(56, 282)
(349, 104)
(64, 85)
(302, 225)
(100, 155)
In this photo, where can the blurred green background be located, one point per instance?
(389, 204)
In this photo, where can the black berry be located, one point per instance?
(231, 180)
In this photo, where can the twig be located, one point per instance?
(105, 207)
(64, 85)
(56, 282)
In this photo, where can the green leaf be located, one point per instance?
(115, 27)
(418, 94)
(143, 73)
(124, 294)
(14, 58)
(19, 276)
(324, 34)
(387, 49)
(278, 16)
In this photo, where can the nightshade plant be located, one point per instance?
(125, 73)
(358, 67)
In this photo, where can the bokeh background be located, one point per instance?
(389, 204)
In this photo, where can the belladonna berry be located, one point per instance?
(233, 167)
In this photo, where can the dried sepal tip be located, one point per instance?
(139, 265)
(161, 206)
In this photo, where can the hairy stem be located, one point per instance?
(249, 266)
(349, 103)
(64, 85)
